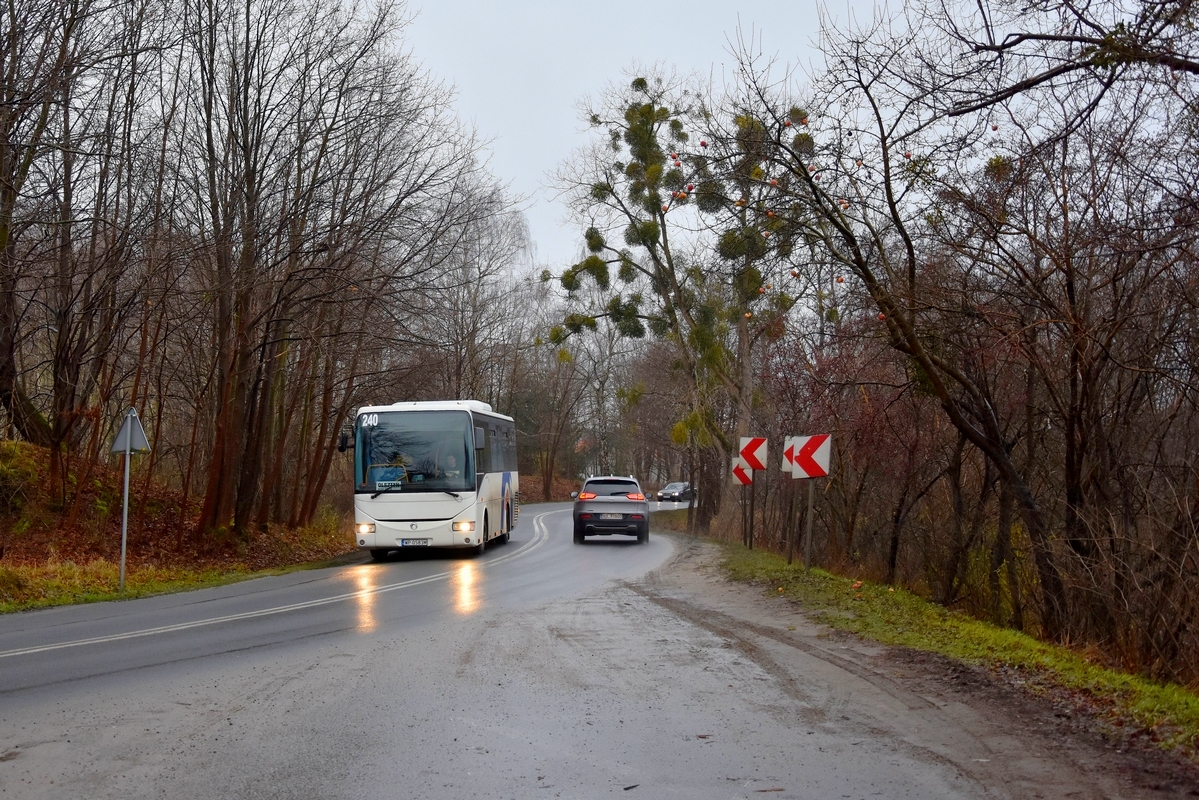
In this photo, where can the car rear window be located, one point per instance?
(611, 488)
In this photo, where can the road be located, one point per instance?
(540, 669)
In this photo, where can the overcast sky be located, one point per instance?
(521, 68)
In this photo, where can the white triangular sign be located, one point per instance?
(131, 438)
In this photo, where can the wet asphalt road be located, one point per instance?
(537, 670)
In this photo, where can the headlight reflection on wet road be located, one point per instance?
(366, 599)
(464, 580)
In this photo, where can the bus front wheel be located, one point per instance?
(478, 549)
(503, 537)
(379, 555)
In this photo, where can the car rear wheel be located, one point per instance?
(643, 536)
(579, 535)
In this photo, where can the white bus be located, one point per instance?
(434, 474)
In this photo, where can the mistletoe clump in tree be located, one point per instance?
(699, 253)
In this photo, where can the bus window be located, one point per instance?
(414, 451)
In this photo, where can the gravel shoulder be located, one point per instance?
(1012, 741)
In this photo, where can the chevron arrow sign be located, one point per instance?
(753, 451)
(811, 456)
(789, 449)
(742, 474)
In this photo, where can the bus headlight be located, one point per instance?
(365, 527)
(464, 525)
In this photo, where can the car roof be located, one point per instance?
(623, 478)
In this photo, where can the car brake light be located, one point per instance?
(584, 516)
(587, 495)
(636, 516)
(636, 496)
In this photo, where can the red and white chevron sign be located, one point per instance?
(753, 451)
(742, 474)
(811, 456)
(789, 453)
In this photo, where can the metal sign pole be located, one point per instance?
(807, 555)
(791, 523)
(125, 511)
(744, 529)
(131, 438)
(751, 514)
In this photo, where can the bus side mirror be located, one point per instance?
(480, 442)
(344, 443)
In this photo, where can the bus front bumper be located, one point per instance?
(415, 534)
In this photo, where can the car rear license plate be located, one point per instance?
(414, 542)
(611, 516)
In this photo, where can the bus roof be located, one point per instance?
(477, 406)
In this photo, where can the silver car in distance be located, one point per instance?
(610, 504)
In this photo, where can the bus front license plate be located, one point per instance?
(414, 542)
(611, 516)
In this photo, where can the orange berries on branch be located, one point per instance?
(840, 279)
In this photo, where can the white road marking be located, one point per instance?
(541, 536)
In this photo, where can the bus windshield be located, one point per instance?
(414, 451)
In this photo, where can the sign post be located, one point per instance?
(743, 476)
(788, 466)
(807, 457)
(810, 459)
(753, 453)
(131, 438)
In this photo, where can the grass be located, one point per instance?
(1167, 714)
(49, 562)
(673, 520)
(24, 587)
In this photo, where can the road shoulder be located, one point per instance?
(1010, 740)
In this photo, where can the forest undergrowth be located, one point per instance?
(56, 550)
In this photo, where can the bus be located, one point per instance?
(433, 474)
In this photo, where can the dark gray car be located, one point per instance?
(611, 504)
(677, 492)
